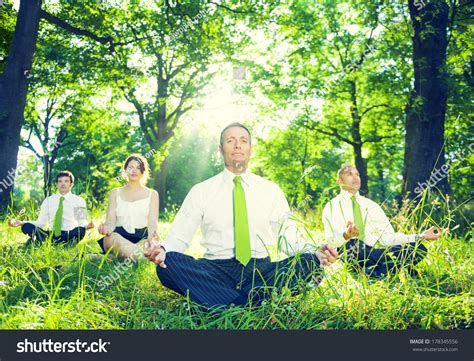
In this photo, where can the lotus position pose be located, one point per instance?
(241, 216)
(64, 212)
(363, 234)
(132, 212)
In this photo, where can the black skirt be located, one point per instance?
(140, 233)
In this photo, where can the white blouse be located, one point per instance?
(132, 215)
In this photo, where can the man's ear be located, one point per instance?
(339, 181)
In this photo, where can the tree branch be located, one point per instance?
(334, 132)
(378, 138)
(72, 29)
(231, 10)
(373, 107)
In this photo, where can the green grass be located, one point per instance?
(50, 287)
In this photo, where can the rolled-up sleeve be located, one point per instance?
(332, 230)
(381, 231)
(43, 216)
(284, 227)
(187, 220)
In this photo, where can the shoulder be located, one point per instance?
(267, 186)
(369, 202)
(47, 200)
(78, 199)
(153, 193)
(208, 183)
(114, 192)
(263, 182)
(330, 204)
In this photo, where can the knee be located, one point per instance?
(28, 228)
(164, 277)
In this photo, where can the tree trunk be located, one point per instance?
(361, 166)
(424, 162)
(47, 175)
(13, 90)
(160, 183)
(383, 190)
(360, 162)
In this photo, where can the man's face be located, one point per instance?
(236, 148)
(349, 180)
(64, 185)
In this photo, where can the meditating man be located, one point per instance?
(241, 216)
(64, 212)
(363, 234)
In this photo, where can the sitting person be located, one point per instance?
(241, 216)
(66, 212)
(132, 212)
(357, 225)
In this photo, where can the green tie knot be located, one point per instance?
(237, 180)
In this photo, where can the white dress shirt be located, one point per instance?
(210, 205)
(378, 230)
(74, 212)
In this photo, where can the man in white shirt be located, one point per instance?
(241, 215)
(64, 212)
(361, 231)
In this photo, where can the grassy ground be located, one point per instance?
(51, 287)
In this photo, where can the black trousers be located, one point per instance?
(140, 233)
(39, 235)
(377, 262)
(212, 283)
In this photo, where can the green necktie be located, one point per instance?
(57, 218)
(241, 224)
(358, 218)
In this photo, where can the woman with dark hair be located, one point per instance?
(132, 212)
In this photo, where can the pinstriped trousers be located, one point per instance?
(212, 283)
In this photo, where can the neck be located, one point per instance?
(236, 170)
(351, 191)
(63, 193)
(134, 184)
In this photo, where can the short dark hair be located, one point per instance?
(231, 125)
(65, 173)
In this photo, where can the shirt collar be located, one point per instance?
(67, 195)
(347, 195)
(229, 176)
